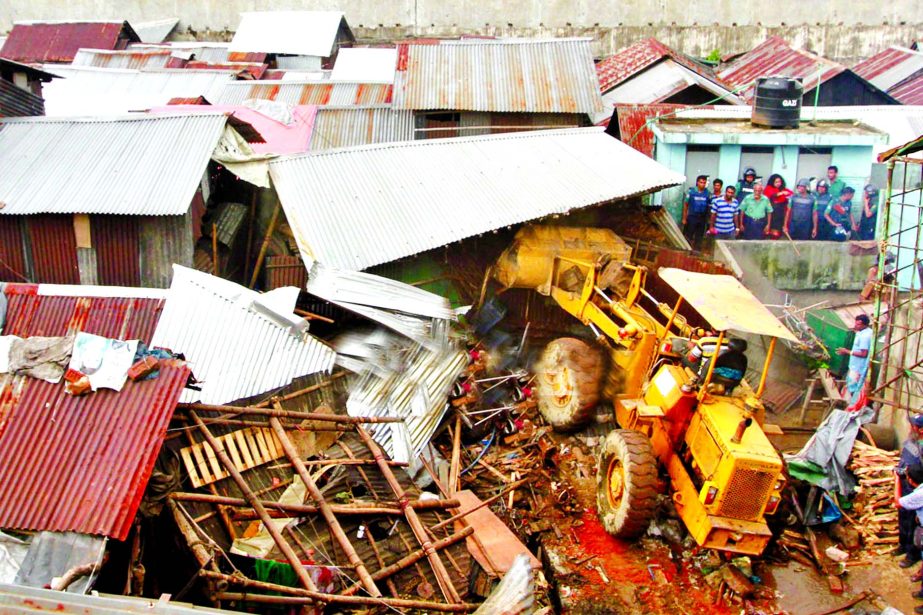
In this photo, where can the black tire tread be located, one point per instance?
(642, 484)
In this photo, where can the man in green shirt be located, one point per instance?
(757, 213)
(835, 185)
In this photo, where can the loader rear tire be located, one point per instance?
(626, 483)
(569, 381)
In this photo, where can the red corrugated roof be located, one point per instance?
(632, 127)
(909, 91)
(775, 57)
(81, 464)
(59, 42)
(29, 314)
(615, 69)
(882, 62)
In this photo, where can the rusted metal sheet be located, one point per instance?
(775, 56)
(617, 68)
(12, 259)
(164, 240)
(81, 463)
(285, 271)
(37, 42)
(17, 102)
(890, 67)
(116, 241)
(30, 313)
(251, 68)
(909, 92)
(129, 58)
(535, 76)
(634, 129)
(306, 92)
(346, 127)
(54, 249)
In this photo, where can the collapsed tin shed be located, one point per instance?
(106, 200)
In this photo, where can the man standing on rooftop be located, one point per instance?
(835, 185)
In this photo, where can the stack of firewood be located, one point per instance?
(874, 502)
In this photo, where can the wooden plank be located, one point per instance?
(244, 449)
(212, 458)
(190, 467)
(204, 470)
(230, 445)
(496, 538)
(260, 438)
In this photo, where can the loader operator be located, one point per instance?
(730, 366)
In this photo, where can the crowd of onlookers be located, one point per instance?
(822, 210)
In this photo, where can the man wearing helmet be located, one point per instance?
(745, 185)
(868, 217)
(800, 221)
(822, 229)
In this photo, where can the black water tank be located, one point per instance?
(777, 102)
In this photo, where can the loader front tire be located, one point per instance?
(626, 483)
(568, 383)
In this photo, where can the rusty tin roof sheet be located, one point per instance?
(909, 92)
(348, 126)
(634, 127)
(132, 58)
(775, 57)
(533, 76)
(357, 207)
(81, 463)
(617, 68)
(38, 42)
(888, 68)
(306, 92)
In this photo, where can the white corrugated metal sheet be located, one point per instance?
(215, 53)
(103, 58)
(147, 165)
(359, 207)
(532, 76)
(238, 342)
(365, 64)
(309, 33)
(350, 126)
(99, 91)
(155, 31)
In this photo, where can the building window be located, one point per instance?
(813, 162)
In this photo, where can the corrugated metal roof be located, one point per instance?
(138, 165)
(365, 65)
(634, 129)
(54, 310)
(81, 463)
(308, 33)
(134, 59)
(305, 92)
(37, 42)
(358, 207)
(888, 68)
(21, 600)
(17, 102)
(628, 62)
(659, 82)
(201, 50)
(155, 31)
(909, 92)
(99, 91)
(349, 126)
(236, 344)
(536, 76)
(775, 57)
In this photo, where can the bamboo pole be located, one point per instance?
(326, 383)
(292, 453)
(291, 414)
(411, 559)
(389, 508)
(381, 562)
(456, 456)
(265, 246)
(486, 502)
(303, 577)
(396, 603)
(442, 575)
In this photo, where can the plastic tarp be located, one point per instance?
(104, 361)
(725, 303)
(829, 448)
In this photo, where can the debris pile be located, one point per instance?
(874, 504)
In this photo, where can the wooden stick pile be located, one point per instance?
(874, 503)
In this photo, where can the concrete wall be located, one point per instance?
(821, 265)
(837, 28)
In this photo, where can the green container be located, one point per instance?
(833, 333)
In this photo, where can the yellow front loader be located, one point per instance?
(704, 430)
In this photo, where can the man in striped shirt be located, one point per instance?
(725, 215)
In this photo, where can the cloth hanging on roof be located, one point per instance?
(104, 361)
(235, 153)
(45, 358)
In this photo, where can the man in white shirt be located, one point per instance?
(858, 360)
